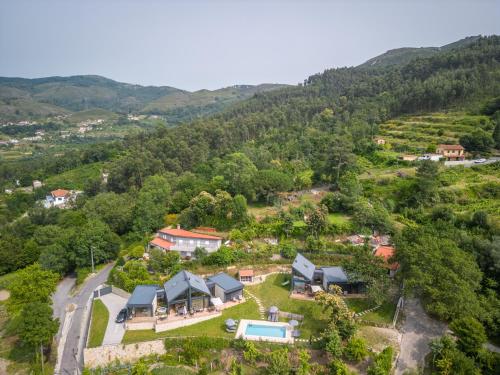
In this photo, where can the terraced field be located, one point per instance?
(417, 133)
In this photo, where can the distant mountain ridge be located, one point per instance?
(22, 98)
(404, 55)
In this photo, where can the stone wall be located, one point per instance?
(104, 355)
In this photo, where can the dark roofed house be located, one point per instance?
(143, 301)
(186, 290)
(225, 287)
(306, 277)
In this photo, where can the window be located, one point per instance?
(191, 241)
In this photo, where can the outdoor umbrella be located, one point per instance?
(230, 323)
(273, 309)
(293, 323)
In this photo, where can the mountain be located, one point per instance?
(21, 97)
(401, 56)
(192, 104)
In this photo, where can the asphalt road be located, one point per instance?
(470, 163)
(72, 356)
(417, 332)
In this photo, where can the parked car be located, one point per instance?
(480, 161)
(122, 316)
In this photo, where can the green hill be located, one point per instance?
(22, 98)
(401, 56)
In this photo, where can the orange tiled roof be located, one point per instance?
(188, 234)
(386, 252)
(59, 193)
(451, 147)
(158, 241)
(245, 272)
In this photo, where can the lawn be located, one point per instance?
(338, 219)
(100, 317)
(271, 292)
(212, 328)
(384, 314)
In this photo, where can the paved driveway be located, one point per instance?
(417, 332)
(114, 331)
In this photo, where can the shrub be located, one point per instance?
(382, 363)
(356, 349)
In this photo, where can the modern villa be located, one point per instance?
(185, 294)
(307, 278)
(183, 241)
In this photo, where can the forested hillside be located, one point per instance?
(22, 99)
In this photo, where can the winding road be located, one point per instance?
(69, 340)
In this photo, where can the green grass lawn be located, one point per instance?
(271, 292)
(338, 219)
(384, 314)
(212, 328)
(100, 317)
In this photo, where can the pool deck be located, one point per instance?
(240, 332)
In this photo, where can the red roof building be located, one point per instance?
(451, 152)
(59, 193)
(184, 241)
(387, 252)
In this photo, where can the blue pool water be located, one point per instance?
(263, 330)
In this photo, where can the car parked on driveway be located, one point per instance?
(122, 316)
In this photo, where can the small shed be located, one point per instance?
(225, 287)
(143, 301)
(246, 276)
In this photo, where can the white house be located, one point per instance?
(184, 241)
(57, 197)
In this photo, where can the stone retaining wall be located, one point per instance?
(104, 355)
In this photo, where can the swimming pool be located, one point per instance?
(262, 330)
(265, 330)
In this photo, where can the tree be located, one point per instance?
(471, 334)
(36, 325)
(269, 182)
(356, 349)
(478, 141)
(304, 367)
(316, 221)
(278, 363)
(152, 204)
(95, 238)
(250, 354)
(333, 344)
(496, 134)
(448, 360)
(113, 209)
(337, 367)
(239, 172)
(200, 211)
(447, 277)
(382, 362)
(369, 269)
(239, 210)
(341, 319)
(164, 262)
(33, 284)
(55, 258)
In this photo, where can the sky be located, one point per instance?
(210, 44)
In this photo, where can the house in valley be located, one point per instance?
(451, 152)
(307, 278)
(58, 197)
(183, 241)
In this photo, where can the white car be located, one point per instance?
(480, 161)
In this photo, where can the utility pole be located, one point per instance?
(92, 257)
(41, 352)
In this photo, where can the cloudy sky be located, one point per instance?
(211, 44)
